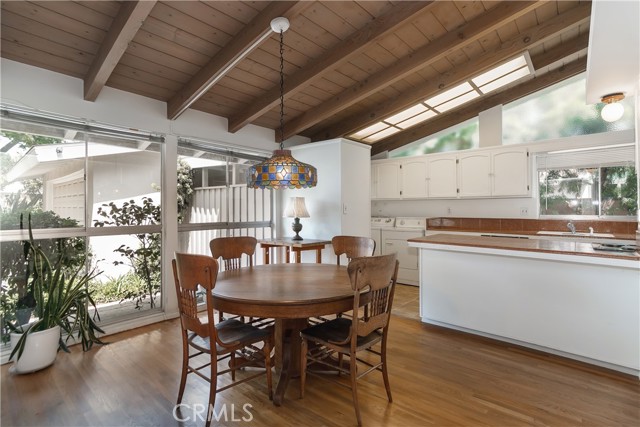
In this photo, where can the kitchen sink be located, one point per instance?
(570, 234)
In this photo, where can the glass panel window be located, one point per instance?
(219, 203)
(557, 112)
(125, 179)
(72, 182)
(461, 137)
(42, 173)
(597, 191)
(130, 282)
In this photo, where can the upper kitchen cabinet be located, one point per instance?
(510, 172)
(495, 172)
(441, 172)
(399, 179)
(502, 172)
(413, 177)
(474, 174)
(385, 179)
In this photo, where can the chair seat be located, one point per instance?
(229, 331)
(338, 330)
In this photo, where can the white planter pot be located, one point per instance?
(39, 352)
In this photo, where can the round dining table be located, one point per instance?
(289, 293)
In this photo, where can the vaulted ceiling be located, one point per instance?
(348, 64)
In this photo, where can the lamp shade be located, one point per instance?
(296, 208)
(282, 171)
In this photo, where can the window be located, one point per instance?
(488, 81)
(221, 204)
(595, 191)
(460, 137)
(91, 191)
(559, 111)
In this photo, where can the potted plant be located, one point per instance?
(62, 304)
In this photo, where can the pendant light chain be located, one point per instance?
(281, 171)
(281, 89)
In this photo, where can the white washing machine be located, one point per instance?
(377, 225)
(395, 240)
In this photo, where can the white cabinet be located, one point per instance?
(497, 173)
(474, 174)
(336, 205)
(442, 180)
(413, 173)
(399, 179)
(510, 172)
(385, 183)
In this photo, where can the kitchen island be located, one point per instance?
(561, 297)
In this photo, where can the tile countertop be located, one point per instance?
(621, 230)
(528, 245)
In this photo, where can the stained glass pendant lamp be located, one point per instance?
(281, 171)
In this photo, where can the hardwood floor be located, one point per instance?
(438, 377)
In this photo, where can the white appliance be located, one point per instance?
(391, 235)
(377, 224)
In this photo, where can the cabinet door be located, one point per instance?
(387, 183)
(442, 180)
(511, 172)
(414, 178)
(474, 179)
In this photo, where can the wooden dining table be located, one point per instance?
(289, 293)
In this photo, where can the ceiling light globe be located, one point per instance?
(612, 112)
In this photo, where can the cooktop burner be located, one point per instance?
(615, 247)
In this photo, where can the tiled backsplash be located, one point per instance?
(530, 226)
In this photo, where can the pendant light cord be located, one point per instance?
(281, 90)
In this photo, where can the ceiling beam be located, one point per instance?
(457, 39)
(123, 29)
(472, 109)
(249, 38)
(558, 53)
(532, 37)
(334, 56)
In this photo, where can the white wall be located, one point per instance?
(31, 87)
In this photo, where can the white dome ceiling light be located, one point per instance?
(613, 110)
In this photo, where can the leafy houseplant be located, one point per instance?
(62, 299)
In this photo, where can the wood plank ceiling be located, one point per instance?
(348, 64)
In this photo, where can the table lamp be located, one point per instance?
(296, 209)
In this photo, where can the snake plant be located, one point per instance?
(62, 298)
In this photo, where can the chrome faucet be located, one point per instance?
(571, 227)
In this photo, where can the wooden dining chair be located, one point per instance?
(352, 247)
(231, 251)
(221, 341)
(373, 281)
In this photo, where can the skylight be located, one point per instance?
(490, 80)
